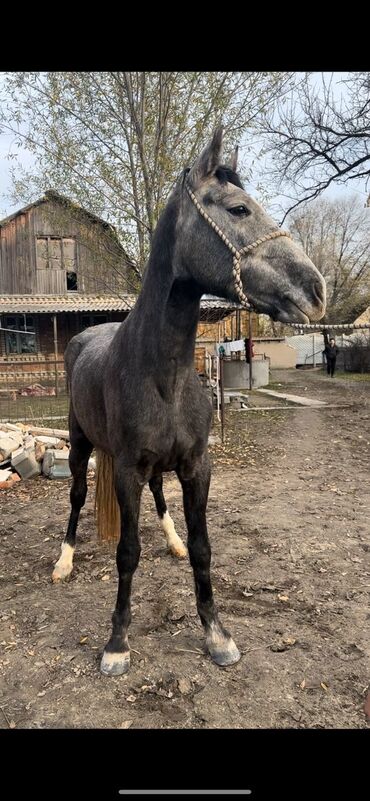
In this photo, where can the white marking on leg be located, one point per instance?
(216, 637)
(64, 565)
(174, 542)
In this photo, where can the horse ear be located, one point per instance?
(234, 160)
(208, 160)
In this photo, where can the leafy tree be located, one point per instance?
(115, 142)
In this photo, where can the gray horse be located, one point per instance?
(135, 395)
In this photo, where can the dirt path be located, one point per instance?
(289, 526)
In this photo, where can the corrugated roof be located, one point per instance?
(75, 302)
(211, 302)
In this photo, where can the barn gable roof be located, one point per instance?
(51, 194)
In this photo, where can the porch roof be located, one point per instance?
(74, 302)
(211, 308)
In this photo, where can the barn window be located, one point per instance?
(71, 282)
(15, 340)
(58, 253)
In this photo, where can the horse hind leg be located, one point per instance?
(116, 657)
(220, 644)
(79, 456)
(174, 542)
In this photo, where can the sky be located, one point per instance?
(26, 160)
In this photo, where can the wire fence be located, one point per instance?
(34, 392)
(33, 387)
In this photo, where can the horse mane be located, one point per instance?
(226, 175)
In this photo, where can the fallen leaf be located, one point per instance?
(303, 684)
(184, 686)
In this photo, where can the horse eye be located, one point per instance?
(239, 211)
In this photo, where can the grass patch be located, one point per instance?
(353, 376)
(36, 410)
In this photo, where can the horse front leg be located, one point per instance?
(116, 656)
(219, 643)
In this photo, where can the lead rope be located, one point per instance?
(237, 254)
(328, 326)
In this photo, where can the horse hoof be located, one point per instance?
(224, 654)
(179, 550)
(60, 574)
(115, 664)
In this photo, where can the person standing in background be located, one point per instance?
(331, 351)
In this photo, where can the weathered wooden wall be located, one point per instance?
(100, 263)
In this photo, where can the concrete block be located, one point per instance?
(24, 462)
(55, 464)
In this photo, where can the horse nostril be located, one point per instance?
(318, 291)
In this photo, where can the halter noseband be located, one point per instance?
(237, 254)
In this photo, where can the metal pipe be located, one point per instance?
(250, 348)
(55, 328)
(222, 398)
(218, 387)
(17, 331)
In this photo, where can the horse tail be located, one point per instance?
(107, 511)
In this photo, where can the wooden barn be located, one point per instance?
(63, 269)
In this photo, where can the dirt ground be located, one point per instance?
(289, 527)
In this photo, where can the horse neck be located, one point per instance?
(164, 320)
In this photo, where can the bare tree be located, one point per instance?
(315, 139)
(115, 142)
(335, 234)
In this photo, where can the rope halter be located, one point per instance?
(237, 254)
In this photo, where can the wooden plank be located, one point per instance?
(48, 432)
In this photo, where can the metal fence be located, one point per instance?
(353, 350)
